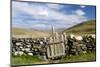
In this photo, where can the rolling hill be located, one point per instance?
(86, 27)
(16, 32)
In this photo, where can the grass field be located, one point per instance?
(24, 60)
(80, 58)
(20, 32)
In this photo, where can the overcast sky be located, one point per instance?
(44, 15)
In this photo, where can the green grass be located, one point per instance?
(24, 60)
(80, 58)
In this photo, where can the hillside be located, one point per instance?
(29, 32)
(86, 27)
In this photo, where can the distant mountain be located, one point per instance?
(60, 29)
(30, 32)
(85, 27)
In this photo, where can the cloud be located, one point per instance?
(41, 26)
(29, 9)
(42, 16)
(55, 6)
(82, 6)
(80, 12)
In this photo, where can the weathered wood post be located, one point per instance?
(63, 45)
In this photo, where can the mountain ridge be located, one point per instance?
(85, 27)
